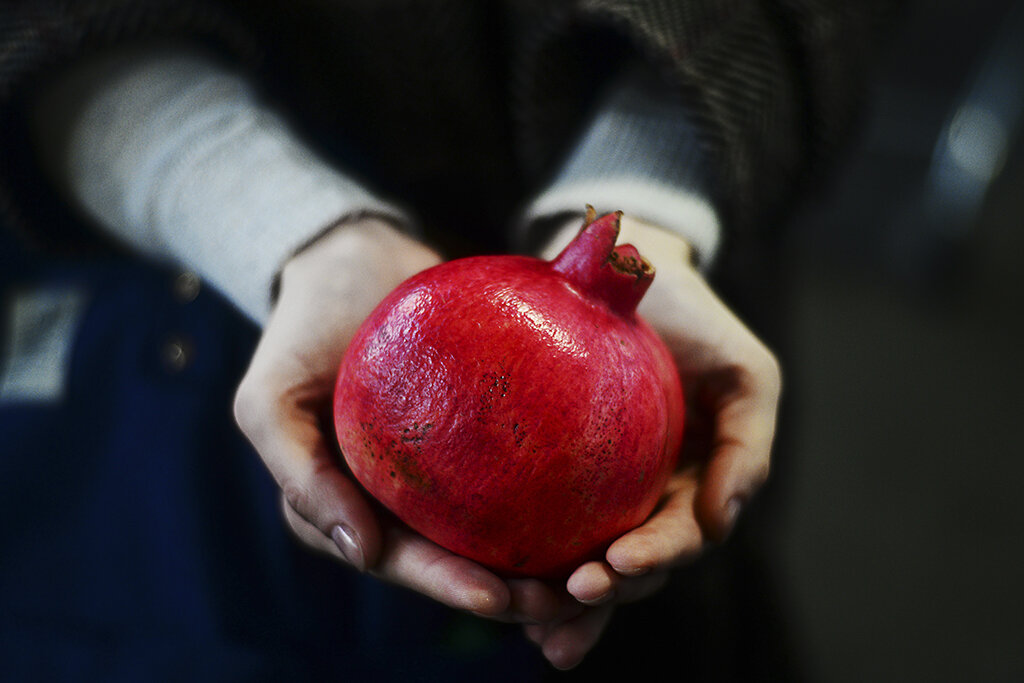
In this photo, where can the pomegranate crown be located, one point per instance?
(617, 275)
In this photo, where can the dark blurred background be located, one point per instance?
(903, 537)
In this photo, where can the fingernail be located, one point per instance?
(631, 571)
(483, 602)
(348, 544)
(599, 600)
(732, 513)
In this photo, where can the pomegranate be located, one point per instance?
(515, 411)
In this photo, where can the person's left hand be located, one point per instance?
(732, 385)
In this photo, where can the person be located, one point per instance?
(265, 150)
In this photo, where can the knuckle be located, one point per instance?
(244, 404)
(251, 406)
(297, 498)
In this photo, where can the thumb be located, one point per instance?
(740, 456)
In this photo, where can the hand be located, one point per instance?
(732, 384)
(284, 403)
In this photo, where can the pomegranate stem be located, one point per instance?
(617, 275)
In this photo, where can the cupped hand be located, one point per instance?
(283, 405)
(732, 384)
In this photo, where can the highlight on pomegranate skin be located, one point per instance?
(515, 411)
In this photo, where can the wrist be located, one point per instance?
(349, 238)
(658, 245)
(663, 248)
(357, 253)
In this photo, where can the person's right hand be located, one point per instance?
(732, 383)
(283, 406)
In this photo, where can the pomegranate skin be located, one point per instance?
(509, 416)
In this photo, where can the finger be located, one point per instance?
(535, 633)
(596, 583)
(309, 535)
(672, 536)
(740, 457)
(410, 560)
(593, 584)
(417, 564)
(314, 487)
(567, 643)
(286, 434)
(534, 601)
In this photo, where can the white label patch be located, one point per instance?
(41, 331)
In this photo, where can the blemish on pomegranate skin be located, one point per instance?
(411, 471)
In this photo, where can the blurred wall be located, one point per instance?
(902, 543)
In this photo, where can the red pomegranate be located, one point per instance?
(515, 411)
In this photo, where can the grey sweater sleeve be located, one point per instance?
(177, 156)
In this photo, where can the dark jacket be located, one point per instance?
(463, 108)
